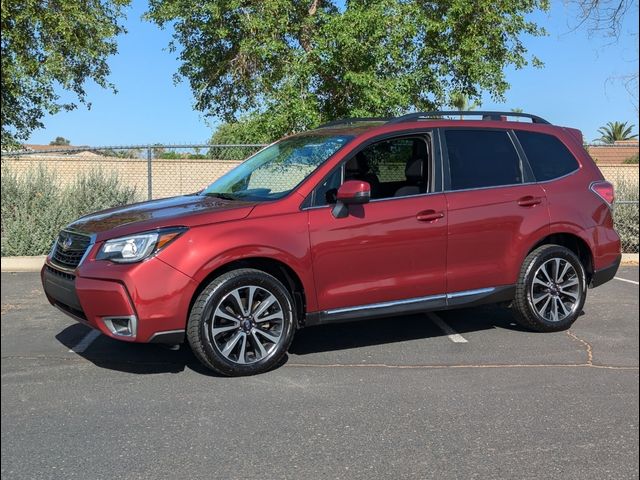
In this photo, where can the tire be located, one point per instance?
(551, 289)
(254, 321)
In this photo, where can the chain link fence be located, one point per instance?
(157, 171)
(154, 171)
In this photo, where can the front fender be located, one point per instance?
(283, 238)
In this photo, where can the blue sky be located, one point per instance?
(577, 87)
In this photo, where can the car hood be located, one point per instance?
(187, 210)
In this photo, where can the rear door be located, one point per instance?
(494, 208)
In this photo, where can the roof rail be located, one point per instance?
(350, 121)
(411, 117)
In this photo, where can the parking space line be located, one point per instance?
(625, 280)
(454, 336)
(85, 342)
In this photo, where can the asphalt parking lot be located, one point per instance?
(464, 394)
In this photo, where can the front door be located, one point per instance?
(392, 248)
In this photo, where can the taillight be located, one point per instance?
(604, 190)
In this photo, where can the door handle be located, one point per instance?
(529, 201)
(429, 216)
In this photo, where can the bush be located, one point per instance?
(626, 216)
(633, 160)
(35, 206)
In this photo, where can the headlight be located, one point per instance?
(137, 247)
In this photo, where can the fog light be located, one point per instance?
(121, 326)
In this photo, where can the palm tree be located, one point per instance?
(517, 110)
(460, 101)
(614, 131)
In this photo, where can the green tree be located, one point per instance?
(60, 141)
(614, 131)
(52, 44)
(290, 64)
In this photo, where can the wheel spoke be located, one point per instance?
(268, 318)
(226, 316)
(556, 269)
(258, 343)
(569, 283)
(250, 296)
(540, 298)
(243, 349)
(569, 293)
(554, 311)
(231, 343)
(264, 305)
(543, 270)
(236, 296)
(537, 281)
(563, 307)
(267, 335)
(566, 268)
(544, 307)
(218, 330)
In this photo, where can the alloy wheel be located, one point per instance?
(555, 290)
(247, 324)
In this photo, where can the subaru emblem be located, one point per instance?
(66, 243)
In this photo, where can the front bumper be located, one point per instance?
(145, 302)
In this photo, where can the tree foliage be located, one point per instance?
(614, 131)
(52, 44)
(286, 65)
(60, 141)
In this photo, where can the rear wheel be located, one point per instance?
(551, 289)
(242, 323)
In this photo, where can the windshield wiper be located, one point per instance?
(224, 196)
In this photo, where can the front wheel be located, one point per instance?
(551, 289)
(242, 323)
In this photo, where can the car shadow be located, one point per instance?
(139, 358)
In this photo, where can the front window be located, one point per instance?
(273, 172)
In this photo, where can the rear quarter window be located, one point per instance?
(547, 155)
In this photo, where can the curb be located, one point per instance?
(34, 264)
(23, 264)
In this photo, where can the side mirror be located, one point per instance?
(351, 192)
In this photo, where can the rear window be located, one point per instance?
(482, 158)
(547, 155)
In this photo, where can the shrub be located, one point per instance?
(626, 216)
(35, 206)
(633, 160)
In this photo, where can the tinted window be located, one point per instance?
(548, 156)
(482, 158)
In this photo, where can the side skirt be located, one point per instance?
(467, 298)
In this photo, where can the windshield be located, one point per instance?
(275, 171)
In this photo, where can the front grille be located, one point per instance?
(58, 273)
(70, 248)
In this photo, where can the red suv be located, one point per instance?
(357, 219)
